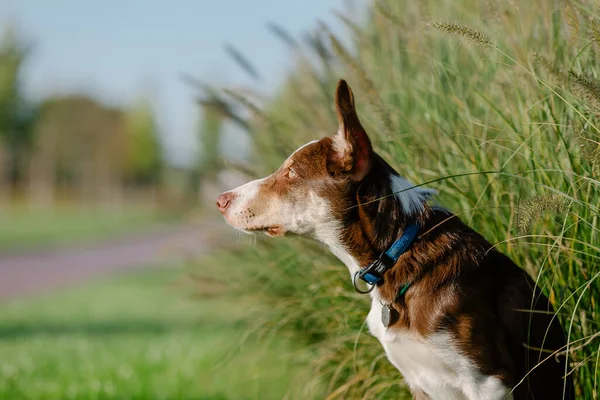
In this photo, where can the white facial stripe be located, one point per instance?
(240, 215)
(412, 200)
(249, 190)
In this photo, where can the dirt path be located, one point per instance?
(27, 273)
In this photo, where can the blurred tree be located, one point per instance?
(72, 142)
(80, 144)
(144, 158)
(17, 116)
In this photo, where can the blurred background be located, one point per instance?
(112, 141)
(120, 122)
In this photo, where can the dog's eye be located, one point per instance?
(291, 173)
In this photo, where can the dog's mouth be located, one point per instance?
(272, 231)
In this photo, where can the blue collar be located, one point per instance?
(373, 273)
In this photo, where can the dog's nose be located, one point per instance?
(223, 201)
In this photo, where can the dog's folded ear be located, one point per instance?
(351, 152)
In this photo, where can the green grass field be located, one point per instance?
(23, 228)
(136, 337)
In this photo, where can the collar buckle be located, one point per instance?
(373, 273)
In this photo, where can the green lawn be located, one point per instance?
(23, 228)
(136, 337)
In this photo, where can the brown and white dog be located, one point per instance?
(462, 328)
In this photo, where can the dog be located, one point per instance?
(455, 316)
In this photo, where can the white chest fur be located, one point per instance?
(433, 365)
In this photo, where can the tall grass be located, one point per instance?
(512, 89)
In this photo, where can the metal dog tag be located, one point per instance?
(389, 315)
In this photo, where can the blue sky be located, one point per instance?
(118, 50)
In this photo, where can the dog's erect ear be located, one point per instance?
(352, 152)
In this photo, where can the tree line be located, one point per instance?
(71, 145)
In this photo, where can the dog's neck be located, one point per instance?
(374, 216)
